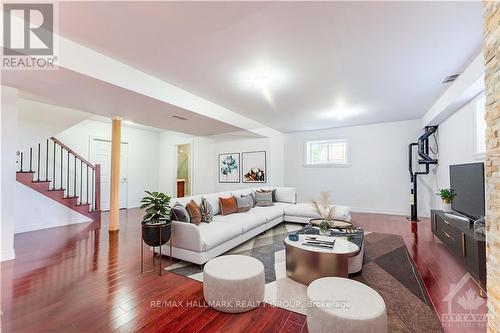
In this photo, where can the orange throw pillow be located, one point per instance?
(228, 205)
(194, 212)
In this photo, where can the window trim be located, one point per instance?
(307, 143)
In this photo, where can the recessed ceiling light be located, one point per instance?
(261, 81)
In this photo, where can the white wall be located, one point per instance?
(8, 144)
(202, 164)
(456, 138)
(377, 180)
(143, 147)
(239, 146)
(39, 121)
(35, 212)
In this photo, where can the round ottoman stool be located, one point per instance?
(343, 305)
(233, 283)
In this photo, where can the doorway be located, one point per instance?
(183, 176)
(101, 154)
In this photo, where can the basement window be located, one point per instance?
(332, 152)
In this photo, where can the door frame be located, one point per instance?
(191, 164)
(93, 138)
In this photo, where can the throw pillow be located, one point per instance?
(244, 203)
(194, 212)
(273, 192)
(251, 197)
(179, 213)
(228, 205)
(264, 199)
(207, 212)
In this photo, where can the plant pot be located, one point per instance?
(151, 233)
(446, 205)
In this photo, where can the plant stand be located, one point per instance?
(160, 231)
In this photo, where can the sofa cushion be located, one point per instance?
(286, 194)
(207, 212)
(213, 199)
(179, 213)
(244, 203)
(228, 205)
(242, 192)
(218, 232)
(244, 221)
(194, 212)
(263, 198)
(308, 210)
(269, 213)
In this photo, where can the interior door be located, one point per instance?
(101, 154)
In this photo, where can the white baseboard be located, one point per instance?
(7, 255)
(35, 227)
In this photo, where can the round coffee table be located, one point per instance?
(306, 263)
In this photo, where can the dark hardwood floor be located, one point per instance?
(82, 279)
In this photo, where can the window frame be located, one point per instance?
(307, 145)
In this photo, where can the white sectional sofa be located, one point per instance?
(200, 243)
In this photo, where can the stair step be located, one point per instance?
(25, 171)
(41, 181)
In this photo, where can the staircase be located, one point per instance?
(56, 171)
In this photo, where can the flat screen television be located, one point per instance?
(468, 182)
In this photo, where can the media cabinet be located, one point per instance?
(459, 237)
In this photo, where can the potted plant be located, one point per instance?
(447, 195)
(157, 217)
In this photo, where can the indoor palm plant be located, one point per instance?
(157, 208)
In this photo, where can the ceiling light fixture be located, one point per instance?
(261, 81)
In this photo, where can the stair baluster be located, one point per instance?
(47, 162)
(34, 179)
(38, 165)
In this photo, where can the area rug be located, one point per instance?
(387, 268)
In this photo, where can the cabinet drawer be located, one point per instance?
(453, 241)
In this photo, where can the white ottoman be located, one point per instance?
(233, 283)
(343, 305)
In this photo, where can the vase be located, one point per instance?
(324, 228)
(446, 205)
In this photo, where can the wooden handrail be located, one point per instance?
(71, 151)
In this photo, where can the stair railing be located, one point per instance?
(64, 169)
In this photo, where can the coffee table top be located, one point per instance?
(341, 246)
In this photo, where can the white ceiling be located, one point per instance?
(65, 88)
(369, 61)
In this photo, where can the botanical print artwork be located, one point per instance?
(254, 167)
(229, 168)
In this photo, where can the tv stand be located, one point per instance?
(456, 216)
(458, 236)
